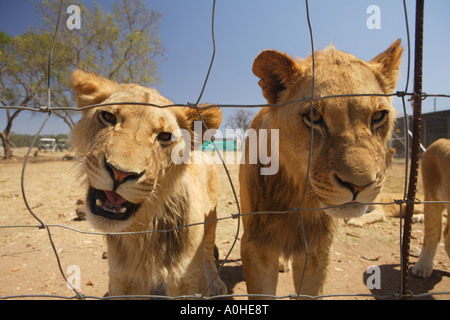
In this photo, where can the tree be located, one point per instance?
(122, 45)
(21, 81)
(241, 119)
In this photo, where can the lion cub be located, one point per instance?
(134, 185)
(348, 161)
(436, 184)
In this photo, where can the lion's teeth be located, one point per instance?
(108, 208)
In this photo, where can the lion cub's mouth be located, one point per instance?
(110, 205)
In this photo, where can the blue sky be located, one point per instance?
(245, 27)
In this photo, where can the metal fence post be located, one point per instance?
(415, 148)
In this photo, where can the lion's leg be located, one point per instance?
(315, 270)
(120, 286)
(433, 228)
(377, 215)
(189, 280)
(218, 287)
(187, 287)
(260, 267)
(447, 233)
(117, 285)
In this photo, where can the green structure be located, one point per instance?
(225, 145)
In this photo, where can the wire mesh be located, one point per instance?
(417, 95)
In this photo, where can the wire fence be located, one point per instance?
(409, 193)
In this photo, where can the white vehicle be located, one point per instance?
(47, 144)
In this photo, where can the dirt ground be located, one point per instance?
(52, 186)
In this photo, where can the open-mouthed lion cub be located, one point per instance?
(349, 158)
(134, 185)
(436, 184)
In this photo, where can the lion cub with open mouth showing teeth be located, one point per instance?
(134, 185)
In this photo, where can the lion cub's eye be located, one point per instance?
(107, 117)
(164, 136)
(379, 116)
(316, 120)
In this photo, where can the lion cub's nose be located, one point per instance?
(120, 176)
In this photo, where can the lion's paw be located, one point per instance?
(355, 222)
(418, 218)
(422, 270)
(218, 288)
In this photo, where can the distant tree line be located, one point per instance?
(25, 140)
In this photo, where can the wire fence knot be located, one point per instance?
(421, 95)
(293, 296)
(45, 109)
(80, 296)
(198, 296)
(400, 94)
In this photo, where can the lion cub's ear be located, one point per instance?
(276, 70)
(212, 117)
(386, 66)
(90, 88)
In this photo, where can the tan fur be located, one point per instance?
(349, 156)
(176, 262)
(436, 183)
(379, 212)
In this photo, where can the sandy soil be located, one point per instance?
(52, 187)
